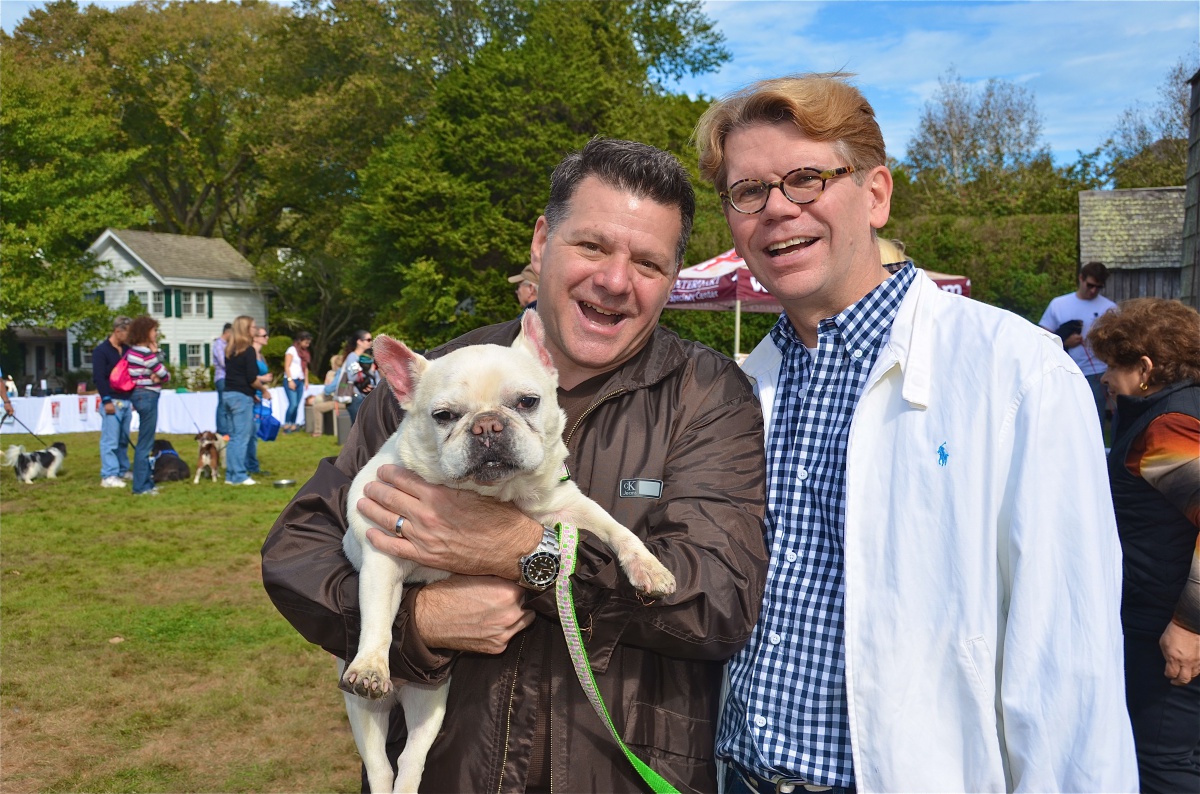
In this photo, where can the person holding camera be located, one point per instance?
(1071, 317)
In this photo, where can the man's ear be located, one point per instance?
(541, 233)
(533, 337)
(400, 366)
(879, 185)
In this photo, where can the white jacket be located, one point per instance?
(983, 569)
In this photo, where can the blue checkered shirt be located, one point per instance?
(786, 712)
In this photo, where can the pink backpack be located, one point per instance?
(119, 378)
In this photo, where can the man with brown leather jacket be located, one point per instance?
(664, 433)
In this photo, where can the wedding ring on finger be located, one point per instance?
(399, 526)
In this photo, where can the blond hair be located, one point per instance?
(824, 107)
(241, 336)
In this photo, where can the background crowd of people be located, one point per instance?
(241, 378)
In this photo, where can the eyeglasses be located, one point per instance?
(264, 333)
(801, 186)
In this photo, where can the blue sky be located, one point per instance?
(1086, 61)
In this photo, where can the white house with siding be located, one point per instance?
(192, 285)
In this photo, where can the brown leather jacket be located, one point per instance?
(677, 412)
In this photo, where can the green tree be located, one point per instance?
(1149, 146)
(184, 83)
(966, 132)
(65, 179)
(448, 205)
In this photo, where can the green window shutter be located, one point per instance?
(76, 356)
(166, 302)
(98, 295)
(132, 295)
(182, 354)
(178, 304)
(209, 317)
(165, 350)
(207, 352)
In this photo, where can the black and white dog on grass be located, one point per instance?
(31, 465)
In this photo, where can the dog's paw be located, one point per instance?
(371, 681)
(648, 575)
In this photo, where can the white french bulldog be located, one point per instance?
(484, 418)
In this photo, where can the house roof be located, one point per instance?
(1132, 229)
(179, 256)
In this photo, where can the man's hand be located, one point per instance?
(1074, 340)
(1181, 649)
(471, 613)
(110, 408)
(446, 528)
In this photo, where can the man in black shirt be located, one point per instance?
(118, 411)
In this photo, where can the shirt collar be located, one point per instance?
(865, 324)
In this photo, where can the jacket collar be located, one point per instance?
(1129, 407)
(910, 345)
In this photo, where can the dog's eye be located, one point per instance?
(443, 417)
(527, 402)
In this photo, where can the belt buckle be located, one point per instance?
(784, 785)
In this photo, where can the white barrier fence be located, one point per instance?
(178, 412)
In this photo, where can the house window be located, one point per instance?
(156, 305)
(144, 298)
(195, 356)
(200, 309)
(86, 357)
(187, 303)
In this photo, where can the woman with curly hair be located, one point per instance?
(148, 373)
(1152, 349)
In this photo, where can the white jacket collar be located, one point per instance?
(910, 344)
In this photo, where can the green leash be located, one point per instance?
(568, 540)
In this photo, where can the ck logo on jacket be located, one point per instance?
(647, 489)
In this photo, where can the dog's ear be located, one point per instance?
(400, 366)
(533, 337)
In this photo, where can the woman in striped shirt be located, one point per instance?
(148, 375)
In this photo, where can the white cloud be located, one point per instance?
(1084, 61)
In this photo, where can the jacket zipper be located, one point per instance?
(591, 408)
(512, 695)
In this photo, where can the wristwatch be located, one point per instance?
(539, 568)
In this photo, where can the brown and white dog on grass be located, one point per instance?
(210, 454)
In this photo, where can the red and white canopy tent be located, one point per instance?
(724, 282)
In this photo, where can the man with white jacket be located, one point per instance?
(942, 605)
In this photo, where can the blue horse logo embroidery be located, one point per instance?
(943, 455)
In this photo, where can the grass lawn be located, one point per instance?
(139, 652)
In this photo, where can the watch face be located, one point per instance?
(540, 569)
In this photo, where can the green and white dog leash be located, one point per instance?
(568, 541)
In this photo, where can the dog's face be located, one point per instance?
(60, 446)
(479, 416)
(207, 437)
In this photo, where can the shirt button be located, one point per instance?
(857, 354)
(774, 638)
(760, 721)
(802, 473)
(790, 556)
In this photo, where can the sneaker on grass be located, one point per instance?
(112, 482)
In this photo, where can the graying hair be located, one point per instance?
(634, 167)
